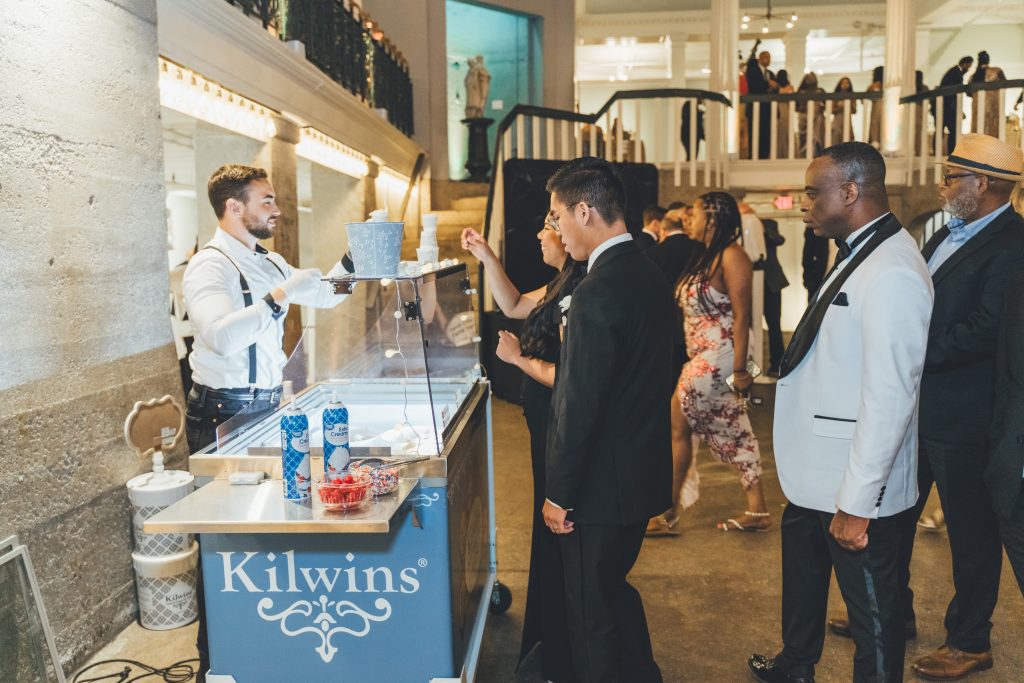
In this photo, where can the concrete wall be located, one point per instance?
(418, 28)
(85, 317)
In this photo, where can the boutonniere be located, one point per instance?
(563, 305)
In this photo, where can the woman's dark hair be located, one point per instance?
(542, 325)
(721, 212)
(782, 78)
(809, 82)
(877, 74)
(839, 85)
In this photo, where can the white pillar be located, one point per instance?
(795, 42)
(725, 27)
(678, 42)
(900, 34)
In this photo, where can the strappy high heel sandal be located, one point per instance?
(733, 525)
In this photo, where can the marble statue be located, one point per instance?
(478, 84)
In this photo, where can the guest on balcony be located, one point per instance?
(955, 76)
(760, 81)
(875, 127)
(785, 88)
(845, 85)
(985, 73)
(809, 86)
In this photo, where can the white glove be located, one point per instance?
(302, 284)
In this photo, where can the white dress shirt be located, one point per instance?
(849, 240)
(225, 327)
(605, 246)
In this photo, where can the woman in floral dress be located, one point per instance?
(715, 298)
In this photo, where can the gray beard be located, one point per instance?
(962, 206)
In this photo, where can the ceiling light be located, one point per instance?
(746, 18)
(789, 24)
(322, 149)
(744, 26)
(764, 29)
(793, 18)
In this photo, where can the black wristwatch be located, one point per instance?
(274, 306)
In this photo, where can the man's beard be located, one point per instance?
(963, 205)
(260, 231)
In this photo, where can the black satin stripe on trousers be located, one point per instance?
(868, 582)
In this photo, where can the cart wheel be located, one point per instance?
(501, 598)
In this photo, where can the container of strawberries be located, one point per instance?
(348, 492)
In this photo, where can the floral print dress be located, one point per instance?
(715, 413)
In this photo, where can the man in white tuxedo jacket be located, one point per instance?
(846, 423)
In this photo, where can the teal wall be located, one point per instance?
(510, 45)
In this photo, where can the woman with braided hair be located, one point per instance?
(715, 295)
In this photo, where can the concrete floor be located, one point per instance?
(711, 598)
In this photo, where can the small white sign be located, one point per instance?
(497, 105)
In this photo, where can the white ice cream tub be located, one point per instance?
(167, 589)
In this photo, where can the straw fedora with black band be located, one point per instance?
(986, 155)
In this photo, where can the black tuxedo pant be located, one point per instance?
(1012, 531)
(974, 540)
(607, 626)
(868, 582)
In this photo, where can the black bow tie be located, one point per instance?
(844, 249)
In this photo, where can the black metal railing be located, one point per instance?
(347, 46)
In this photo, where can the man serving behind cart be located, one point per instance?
(237, 295)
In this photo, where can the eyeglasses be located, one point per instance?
(552, 222)
(947, 177)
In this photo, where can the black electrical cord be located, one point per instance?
(179, 672)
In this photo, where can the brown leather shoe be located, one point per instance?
(841, 627)
(949, 664)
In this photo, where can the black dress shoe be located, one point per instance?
(765, 669)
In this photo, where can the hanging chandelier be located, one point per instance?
(767, 18)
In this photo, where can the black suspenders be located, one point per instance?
(247, 298)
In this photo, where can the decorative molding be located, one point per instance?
(220, 42)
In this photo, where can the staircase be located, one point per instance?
(467, 212)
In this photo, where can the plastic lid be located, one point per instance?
(160, 566)
(161, 481)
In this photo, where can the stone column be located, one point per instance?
(278, 157)
(900, 34)
(725, 26)
(795, 42)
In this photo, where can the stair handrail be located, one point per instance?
(565, 115)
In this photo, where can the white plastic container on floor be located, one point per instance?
(167, 589)
(149, 494)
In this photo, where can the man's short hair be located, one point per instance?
(860, 163)
(966, 60)
(594, 182)
(231, 181)
(654, 213)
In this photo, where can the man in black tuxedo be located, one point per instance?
(774, 282)
(651, 234)
(609, 460)
(684, 128)
(760, 81)
(971, 259)
(955, 76)
(1005, 470)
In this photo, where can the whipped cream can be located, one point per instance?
(336, 453)
(295, 454)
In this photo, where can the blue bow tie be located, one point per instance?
(956, 226)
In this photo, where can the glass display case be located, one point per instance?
(401, 354)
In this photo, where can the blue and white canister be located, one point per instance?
(336, 453)
(295, 454)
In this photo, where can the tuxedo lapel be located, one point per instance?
(972, 245)
(612, 253)
(807, 329)
(933, 244)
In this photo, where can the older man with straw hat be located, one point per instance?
(971, 260)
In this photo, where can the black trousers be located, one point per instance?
(607, 626)
(773, 318)
(1012, 531)
(868, 582)
(974, 541)
(206, 411)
